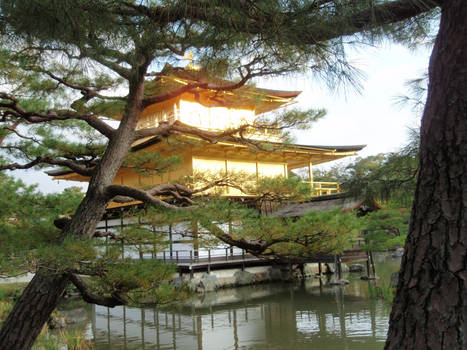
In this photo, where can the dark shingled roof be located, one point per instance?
(333, 201)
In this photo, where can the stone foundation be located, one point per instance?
(203, 282)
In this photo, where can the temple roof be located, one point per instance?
(296, 156)
(170, 79)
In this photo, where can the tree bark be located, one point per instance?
(430, 307)
(32, 311)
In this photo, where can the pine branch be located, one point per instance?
(166, 129)
(192, 86)
(235, 135)
(12, 128)
(73, 165)
(13, 110)
(218, 183)
(374, 17)
(123, 72)
(87, 92)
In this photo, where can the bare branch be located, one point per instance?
(92, 298)
(123, 194)
(11, 128)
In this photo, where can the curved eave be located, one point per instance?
(294, 155)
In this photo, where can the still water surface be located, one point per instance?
(306, 315)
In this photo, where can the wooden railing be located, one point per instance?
(204, 255)
(323, 188)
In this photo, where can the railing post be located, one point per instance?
(339, 266)
(226, 254)
(243, 260)
(191, 256)
(368, 265)
(164, 255)
(372, 262)
(176, 255)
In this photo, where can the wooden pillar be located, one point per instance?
(337, 270)
(121, 229)
(243, 260)
(171, 242)
(368, 264)
(372, 263)
(339, 266)
(106, 237)
(108, 329)
(174, 331)
(143, 321)
(257, 171)
(199, 332)
(124, 327)
(209, 261)
(195, 240)
(310, 174)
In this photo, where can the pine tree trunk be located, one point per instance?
(43, 293)
(430, 307)
(32, 311)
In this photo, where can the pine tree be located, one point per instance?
(89, 47)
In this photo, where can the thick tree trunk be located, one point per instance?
(40, 298)
(430, 308)
(32, 311)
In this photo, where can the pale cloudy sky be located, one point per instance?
(370, 118)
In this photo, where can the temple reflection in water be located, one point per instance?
(285, 316)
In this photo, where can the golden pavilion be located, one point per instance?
(212, 110)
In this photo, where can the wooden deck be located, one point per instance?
(217, 261)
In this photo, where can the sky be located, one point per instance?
(370, 117)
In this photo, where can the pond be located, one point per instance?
(302, 315)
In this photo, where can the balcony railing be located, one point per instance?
(323, 188)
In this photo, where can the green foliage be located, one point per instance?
(72, 340)
(385, 292)
(11, 291)
(281, 189)
(151, 163)
(27, 218)
(386, 228)
(5, 309)
(387, 178)
(327, 232)
(8, 295)
(128, 274)
(76, 62)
